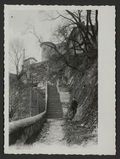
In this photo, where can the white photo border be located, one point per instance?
(106, 83)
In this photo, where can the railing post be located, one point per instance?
(46, 96)
(30, 104)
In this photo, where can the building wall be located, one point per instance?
(45, 53)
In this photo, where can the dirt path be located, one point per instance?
(52, 132)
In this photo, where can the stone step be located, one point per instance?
(53, 102)
(55, 116)
(59, 111)
(54, 98)
(52, 91)
(54, 113)
(54, 105)
(52, 88)
(55, 110)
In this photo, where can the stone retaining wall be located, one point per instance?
(23, 130)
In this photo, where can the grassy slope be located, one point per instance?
(83, 128)
(19, 100)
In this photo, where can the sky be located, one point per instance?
(22, 21)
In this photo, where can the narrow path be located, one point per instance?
(52, 133)
(53, 130)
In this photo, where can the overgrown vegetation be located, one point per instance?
(75, 66)
(23, 99)
(73, 63)
(77, 134)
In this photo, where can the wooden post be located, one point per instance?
(30, 100)
(37, 101)
(46, 96)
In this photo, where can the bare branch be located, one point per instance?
(16, 53)
(90, 21)
(35, 34)
(96, 21)
(65, 17)
(52, 18)
(73, 16)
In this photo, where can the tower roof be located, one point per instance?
(30, 58)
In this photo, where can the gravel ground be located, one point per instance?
(52, 132)
(62, 132)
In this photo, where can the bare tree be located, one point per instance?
(87, 29)
(79, 34)
(30, 28)
(16, 50)
(86, 23)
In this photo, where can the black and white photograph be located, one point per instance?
(55, 80)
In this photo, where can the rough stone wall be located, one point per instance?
(85, 89)
(23, 131)
(37, 101)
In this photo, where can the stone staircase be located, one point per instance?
(54, 105)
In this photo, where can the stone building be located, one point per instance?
(33, 72)
(25, 73)
(27, 62)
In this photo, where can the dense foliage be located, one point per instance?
(23, 98)
(76, 68)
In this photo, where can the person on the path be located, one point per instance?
(73, 108)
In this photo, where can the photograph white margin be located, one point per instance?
(106, 83)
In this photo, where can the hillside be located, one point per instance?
(24, 100)
(84, 88)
